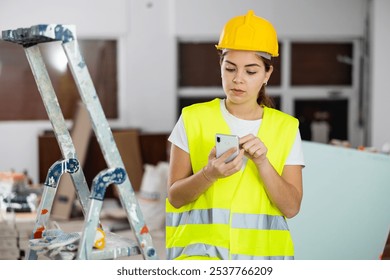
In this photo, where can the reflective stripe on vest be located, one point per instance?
(202, 216)
(222, 216)
(234, 218)
(214, 252)
(259, 221)
(245, 257)
(198, 249)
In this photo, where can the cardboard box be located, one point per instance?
(66, 193)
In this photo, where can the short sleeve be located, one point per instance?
(178, 136)
(296, 154)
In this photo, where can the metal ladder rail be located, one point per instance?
(57, 120)
(107, 144)
(66, 34)
(28, 38)
(50, 189)
(112, 249)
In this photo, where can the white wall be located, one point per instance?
(97, 19)
(93, 19)
(151, 80)
(380, 59)
(147, 31)
(292, 19)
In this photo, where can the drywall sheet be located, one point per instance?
(345, 212)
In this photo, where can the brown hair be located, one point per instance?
(263, 98)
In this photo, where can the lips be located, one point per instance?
(237, 90)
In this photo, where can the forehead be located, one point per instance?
(242, 57)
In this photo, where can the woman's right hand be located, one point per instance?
(185, 187)
(217, 167)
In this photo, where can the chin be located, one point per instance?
(234, 98)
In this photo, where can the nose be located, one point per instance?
(238, 78)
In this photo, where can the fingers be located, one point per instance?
(246, 138)
(253, 146)
(228, 154)
(257, 152)
(213, 153)
(219, 168)
(250, 145)
(224, 156)
(236, 164)
(231, 167)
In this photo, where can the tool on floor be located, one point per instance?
(116, 246)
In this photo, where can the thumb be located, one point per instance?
(213, 153)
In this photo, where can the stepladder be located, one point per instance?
(111, 246)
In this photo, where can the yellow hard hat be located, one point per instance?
(250, 33)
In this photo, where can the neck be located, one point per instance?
(245, 111)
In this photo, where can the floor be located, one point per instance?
(15, 232)
(121, 228)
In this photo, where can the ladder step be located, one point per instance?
(116, 246)
(41, 33)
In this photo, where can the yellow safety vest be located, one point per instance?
(234, 218)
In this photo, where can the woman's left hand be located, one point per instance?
(254, 148)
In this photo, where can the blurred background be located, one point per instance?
(150, 58)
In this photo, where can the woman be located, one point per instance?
(238, 209)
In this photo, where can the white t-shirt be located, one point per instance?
(240, 128)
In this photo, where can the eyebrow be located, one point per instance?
(248, 65)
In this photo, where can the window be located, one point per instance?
(321, 64)
(318, 84)
(322, 120)
(19, 95)
(200, 74)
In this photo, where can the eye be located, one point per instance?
(230, 69)
(251, 72)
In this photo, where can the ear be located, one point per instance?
(268, 74)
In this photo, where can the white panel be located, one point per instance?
(346, 204)
(151, 81)
(380, 42)
(206, 18)
(293, 18)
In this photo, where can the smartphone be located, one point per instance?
(224, 142)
